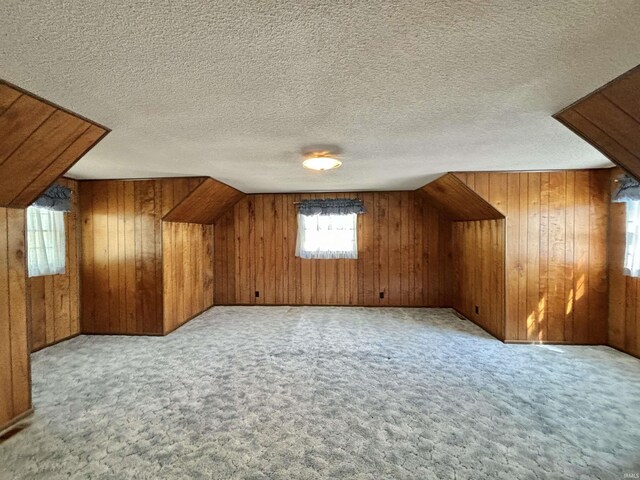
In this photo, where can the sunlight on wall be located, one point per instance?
(535, 318)
(580, 288)
(570, 299)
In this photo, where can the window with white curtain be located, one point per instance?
(327, 236)
(46, 252)
(632, 251)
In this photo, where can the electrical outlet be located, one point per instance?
(381, 295)
(477, 310)
(257, 294)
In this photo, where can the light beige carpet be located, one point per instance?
(313, 392)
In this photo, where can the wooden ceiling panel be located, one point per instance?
(450, 195)
(76, 150)
(39, 142)
(19, 121)
(8, 95)
(609, 119)
(624, 93)
(205, 204)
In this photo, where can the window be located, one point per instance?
(632, 251)
(46, 250)
(327, 236)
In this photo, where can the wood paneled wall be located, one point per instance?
(121, 263)
(206, 203)
(609, 119)
(450, 195)
(55, 299)
(15, 383)
(479, 257)
(404, 251)
(624, 291)
(556, 252)
(187, 261)
(39, 142)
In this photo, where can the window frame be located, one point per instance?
(52, 248)
(350, 253)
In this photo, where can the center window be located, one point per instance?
(328, 228)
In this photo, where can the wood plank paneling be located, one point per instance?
(404, 252)
(624, 314)
(479, 249)
(15, 382)
(459, 202)
(39, 142)
(188, 276)
(609, 119)
(205, 204)
(121, 265)
(55, 299)
(556, 251)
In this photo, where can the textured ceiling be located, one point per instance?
(406, 89)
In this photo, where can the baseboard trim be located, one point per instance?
(126, 334)
(551, 342)
(167, 332)
(56, 342)
(324, 305)
(634, 355)
(13, 421)
(459, 314)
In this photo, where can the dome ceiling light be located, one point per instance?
(321, 161)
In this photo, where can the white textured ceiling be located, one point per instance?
(407, 89)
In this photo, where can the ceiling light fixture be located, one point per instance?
(321, 161)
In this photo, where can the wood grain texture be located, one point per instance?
(55, 299)
(39, 142)
(609, 119)
(404, 250)
(121, 265)
(205, 204)
(15, 381)
(449, 194)
(624, 308)
(187, 261)
(479, 255)
(556, 252)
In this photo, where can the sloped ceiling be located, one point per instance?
(451, 196)
(38, 143)
(609, 119)
(205, 204)
(406, 89)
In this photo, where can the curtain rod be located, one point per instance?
(300, 203)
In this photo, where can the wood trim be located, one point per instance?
(625, 75)
(553, 342)
(461, 316)
(39, 143)
(56, 342)
(11, 423)
(609, 119)
(140, 179)
(205, 204)
(187, 320)
(54, 105)
(459, 202)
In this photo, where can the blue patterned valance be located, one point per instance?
(331, 206)
(628, 190)
(56, 198)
